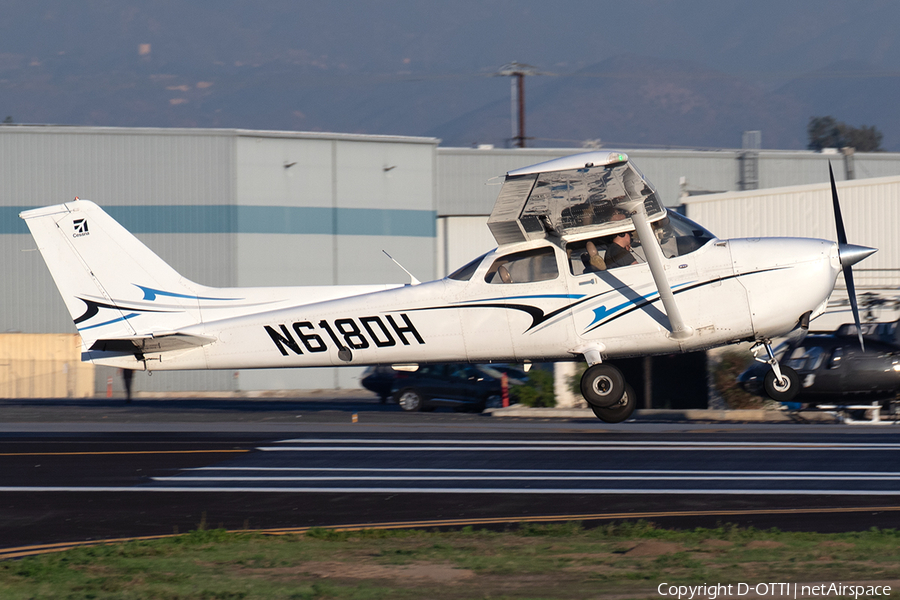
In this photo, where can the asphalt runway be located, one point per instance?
(74, 471)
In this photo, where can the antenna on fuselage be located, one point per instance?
(412, 278)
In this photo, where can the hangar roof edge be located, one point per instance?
(790, 189)
(317, 135)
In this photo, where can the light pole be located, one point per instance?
(517, 71)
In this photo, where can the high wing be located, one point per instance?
(572, 197)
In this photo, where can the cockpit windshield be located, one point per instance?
(678, 235)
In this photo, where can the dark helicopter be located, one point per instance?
(835, 368)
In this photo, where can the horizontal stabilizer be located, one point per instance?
(151, 343)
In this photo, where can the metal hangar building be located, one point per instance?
(245, 208)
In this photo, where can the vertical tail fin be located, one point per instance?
(112, 284)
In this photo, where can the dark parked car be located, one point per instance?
(833, 369)
(379, 380)
(457, 386)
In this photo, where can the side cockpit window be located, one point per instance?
(524, 267)
(677, 236)
(604, 253)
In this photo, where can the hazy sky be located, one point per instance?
(408, 66)
(770, 38)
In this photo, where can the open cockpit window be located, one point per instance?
(604, 253)
(524, 267)
(677, 235)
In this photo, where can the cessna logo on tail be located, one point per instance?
(81, 228)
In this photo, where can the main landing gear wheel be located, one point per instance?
(621, 411)
(784, 390)
(602, 385)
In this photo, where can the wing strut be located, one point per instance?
(679, 330)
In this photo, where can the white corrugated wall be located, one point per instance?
(870, 209)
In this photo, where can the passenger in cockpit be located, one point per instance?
(619, 252)
(592, 260)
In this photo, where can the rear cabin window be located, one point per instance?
(465, 273)
(524, 267)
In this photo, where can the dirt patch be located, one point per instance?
(833, 544)
(589, 556)
(654, 548)
(708, 544)
(418, 571)
(764, 544)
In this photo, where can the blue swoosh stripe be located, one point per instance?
(151, 294)
(601, 312)
(108, 322)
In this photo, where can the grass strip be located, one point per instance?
(530, 561)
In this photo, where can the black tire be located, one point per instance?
(410, 400)
(786, 391)
(602, 386)
(621, 411)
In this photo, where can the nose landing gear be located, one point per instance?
(781, 383)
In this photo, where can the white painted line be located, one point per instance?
(425, 490)
(729, 478)
(892, 446)
(562, 447)
(822, 474)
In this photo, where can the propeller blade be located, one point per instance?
(838, 220)
(853, 254)
(851, 292)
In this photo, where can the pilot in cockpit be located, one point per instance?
(619, 252)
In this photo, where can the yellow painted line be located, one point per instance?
(23, 551)
(119, 452)
(61, 547)
(580, 517)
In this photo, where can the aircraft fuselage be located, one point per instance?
(729, 290)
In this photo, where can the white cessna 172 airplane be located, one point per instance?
(590, 264)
